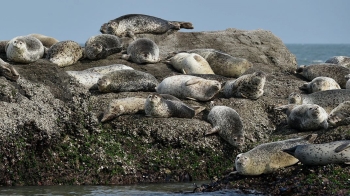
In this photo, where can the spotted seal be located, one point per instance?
(89, 77)
(224, 64)
(101, 46)
(322, 154)
(65, 53)
(340, 115)
(141, 51)
(250, 86)
(339, 60)
(190, 63)
(129, 105)
(337, 72)
(24, 49)
(127, 81)
(131, 24)
(320, 84)
(227, 123)
(47, 41)
(268, 157)
(189, 87)
(8, 71)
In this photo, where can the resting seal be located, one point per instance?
(337, 72)
(268, 157)
(127, 81)
(340, 115)
(227, 123)
(141, 51)
(101, 46)
(322, 154)
(8, 71)
(190, 63)
(320, 84)
(131, 24)
(89, 77)
(340, 60)
(189, 87)
(65, 53)
(224, 64)
(24, 49)
(250, 86)
(117, 107)
(45, 40)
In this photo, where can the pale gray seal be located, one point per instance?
(101, 46)
(65, 53)
(24, 49)
(190, 63)
(141, 51)
(89, 77)
(3, 44)
(327, 99)
(320, 84)
(189, 87)
(306, 117)
(129, 105)
(339, 60)
(227, 123)
(337, 72)
(250, 86)
(157, 106)
(322, 154)
(131, 24)
(268, 157)
(224, 64)
(8, 71)
(127, 81)
(340, 115)
(45, 40)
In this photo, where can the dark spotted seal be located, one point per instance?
(24, 49)
(141, 51)
(65, 53)
(101, 46)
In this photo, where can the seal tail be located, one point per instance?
(182, 25)
(290, 151)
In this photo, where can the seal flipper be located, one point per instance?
(192, 81)
(213, 130)
(290, 151)
(343, 146)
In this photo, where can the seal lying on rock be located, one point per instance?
(101, 46)
(268, 157)
(141, 51)
(227, 123)
(24, 49)
(65, 53)
(339, 60)
(129, 105)
(89, 77)
(127, 81)
(224, 64)
(340, 115)
(190, 63)
(320, 84)
(337, 72)
(189, 87)
(45, 40)
(250, 86)
(322, 154)
(8, 71)
(131, 24)
(306, 117)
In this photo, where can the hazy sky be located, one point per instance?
(294, 21)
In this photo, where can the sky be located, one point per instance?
(293, 21)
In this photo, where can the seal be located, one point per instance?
(189, 87)
(3, 44)
(320, 84)
(101, 46)
(250, 86)
(306, 117)
(24, 49)
(141, 51)
(8, 71)
(131, 24)
(327, 99)
(118, 107)
(337, 72)
(45, 40)
(65, 53)
(157, 106)
(224, 64)
(340, 115)
(127, 81)
(339, 60)
(89, 77)
(322, 154)
(228, 124)
(268, 157)
(190, 63)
